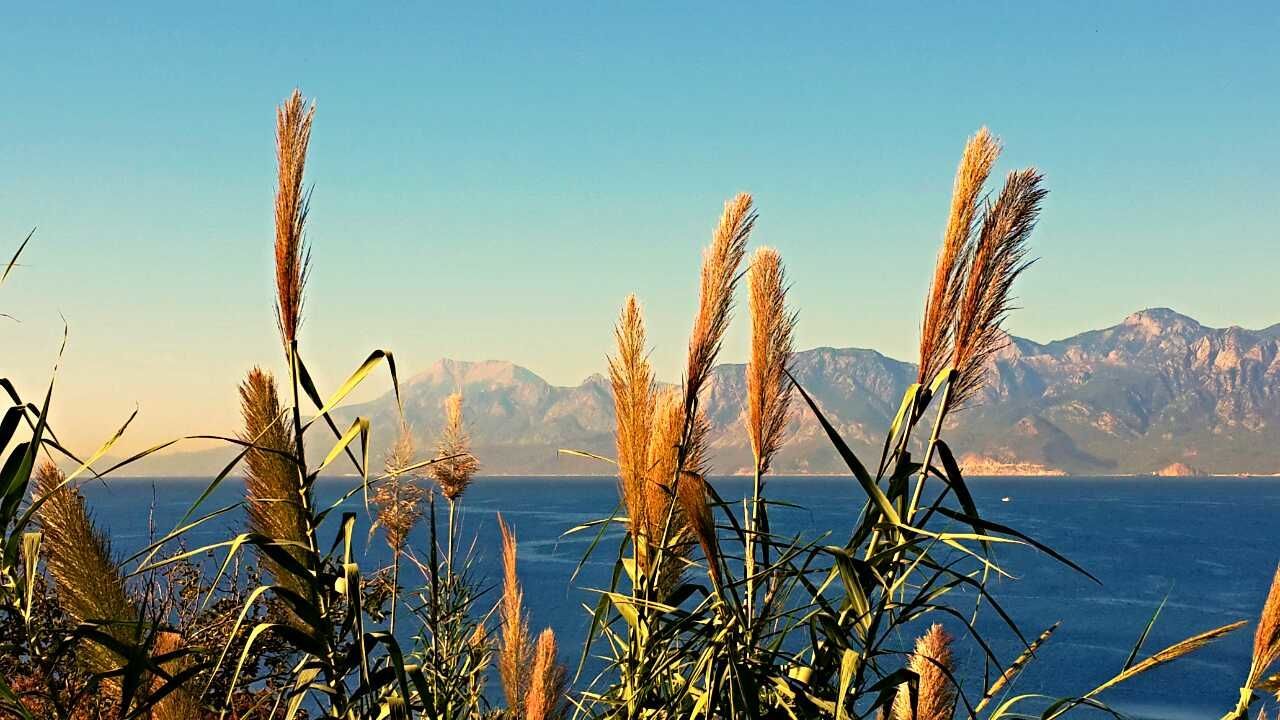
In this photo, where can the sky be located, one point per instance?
(491, 181)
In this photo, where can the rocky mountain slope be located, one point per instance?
(1157, 390)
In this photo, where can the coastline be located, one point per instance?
(779, 476)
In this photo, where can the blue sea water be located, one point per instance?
(1209, 544)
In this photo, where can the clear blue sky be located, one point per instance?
(490, 183)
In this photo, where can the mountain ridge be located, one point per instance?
(1155, 391)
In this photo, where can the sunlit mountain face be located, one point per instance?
(1158, 392)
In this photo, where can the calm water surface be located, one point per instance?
(1208, 543)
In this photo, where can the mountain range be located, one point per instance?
(1157, 393)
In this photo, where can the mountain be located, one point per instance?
(1157, 391)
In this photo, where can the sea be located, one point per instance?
(1208, 545)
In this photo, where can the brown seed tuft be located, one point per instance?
(516, 652)
(89, 584)
(691, 493)
(999, 257)
(1266, 638)
(936, 695)
(633, 400)
(293, 133)
(179, 704)
(545, 698)
(720, 262)
(398, 497)
(667, 421)
(772, 327)
(980, 155)
(455, 474)
(690, 518)
(272, 489)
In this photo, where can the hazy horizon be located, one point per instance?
(490, 184)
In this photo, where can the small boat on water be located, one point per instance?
(1006, 498)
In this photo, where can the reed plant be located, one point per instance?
(399, 500)
(803, 627)
(451, 646)
(530, 670)
(91, 586)
(348, 659)
(455, 466)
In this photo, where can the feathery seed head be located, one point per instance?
(89, 584)
(544, 700)
(655, 496)
(398, 497)
(516, 651)
(271, 480)
(691, 494)
(772, 327)
(1266, 638)
(479, 637)
(979, 156)
(455, 474)
(633, 398)
(293, 133)
(720, 262)
(691, 514)
(273, 491)
(932, 663)
(998, 258)
(181, 703)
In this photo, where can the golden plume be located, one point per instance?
(936, 693)
(692, 496)
(89, 584)
(633, 400)
(719, 279)
(662, 456)
(690, 514)
(772, 327)
(454, 475)
(1266, 638)
(90, 587)
(979, 156)
(293, 133)
(398, 497)
(272, 490)
(479, 637)
(516, 652)
(720, 263)
(480, 655)
(999, 257)
(545, 697)
(177, 704)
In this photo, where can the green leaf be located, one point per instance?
(359, 429)
(13, 262)
(1137, 646)
(989, 526)
(848, 667)
(859, 471)
(31, 558)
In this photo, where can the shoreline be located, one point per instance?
(777, 476)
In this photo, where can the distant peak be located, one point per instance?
(461, 373)
(1160, 319)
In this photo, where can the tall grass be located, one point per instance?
(710, 611)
